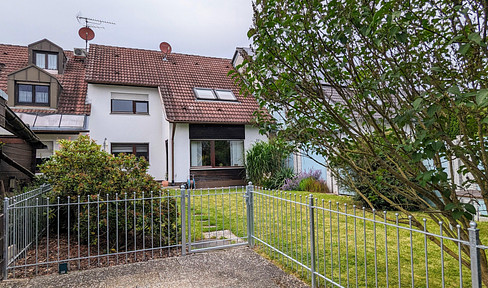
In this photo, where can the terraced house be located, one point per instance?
(183, 113)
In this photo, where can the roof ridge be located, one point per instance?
(150, 50)
(27, 46)
(13, 45)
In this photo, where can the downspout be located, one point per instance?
(173, 154)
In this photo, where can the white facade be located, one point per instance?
(181, 152)
(106, 127)
(252, 136)
(153, 129)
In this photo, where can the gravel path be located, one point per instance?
(238, 267)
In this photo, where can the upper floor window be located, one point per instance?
(130, 106)
(32, 94)
(214, 94)
(46, 60)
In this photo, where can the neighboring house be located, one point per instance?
(300, 161)
(18, 145)
(47, 90)
(474, 197)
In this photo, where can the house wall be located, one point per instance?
(479, 205)
(252, 136)
(128, 128)
(181, 152)
(22, 153)
(55, 138)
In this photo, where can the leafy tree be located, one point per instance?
(400, 84)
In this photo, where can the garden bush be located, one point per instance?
(265, 164)
(141, 218)
(83, 172)
(306, 181)
(311, 184)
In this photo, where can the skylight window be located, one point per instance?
(225, 95)
(206, 94)
(214, 94)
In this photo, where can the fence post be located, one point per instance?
(5, 238)
(188, 222)
(183, 220)
(474, 236)
(312, 241)
(250, 215)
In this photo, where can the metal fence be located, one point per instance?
(330, 244)
(50, 235)
(340, 245)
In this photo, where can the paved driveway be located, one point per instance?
(238, 267)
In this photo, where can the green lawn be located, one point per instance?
(340, 240)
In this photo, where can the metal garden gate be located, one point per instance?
(214, 218)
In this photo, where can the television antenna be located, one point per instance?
(86, 33)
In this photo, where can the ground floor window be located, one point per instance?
(217, 153)
(138, 149)
(43, 154)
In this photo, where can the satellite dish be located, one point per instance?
(86, 33)
(165, 48)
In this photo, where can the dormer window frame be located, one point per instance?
(34, 101)
(46, 59)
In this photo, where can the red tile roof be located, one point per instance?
(73, 95)
(176, 77)
(12, 58)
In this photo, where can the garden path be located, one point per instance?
(238, 267)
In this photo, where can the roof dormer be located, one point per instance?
(48, 56)
(33, 87)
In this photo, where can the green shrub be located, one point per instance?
(378, 179)
(81, 169)
(161, 212)
(265, 164)
(278, 178)
(312, 184)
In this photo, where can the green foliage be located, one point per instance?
(311, 184)
(399, 75)
(81, 168)
(407, 84)
(265, 164)
(278, 178)
(82, 172)
(161, 211)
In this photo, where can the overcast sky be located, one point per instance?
(203, 27)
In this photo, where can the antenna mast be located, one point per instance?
(86, 33)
